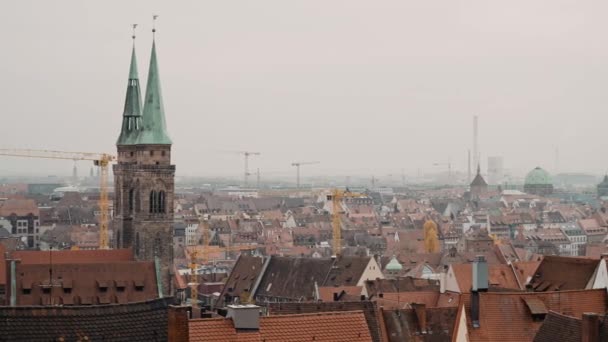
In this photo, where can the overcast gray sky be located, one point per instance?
(362, 86)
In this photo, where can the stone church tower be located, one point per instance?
(144, 176)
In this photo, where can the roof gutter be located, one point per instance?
(254, 289)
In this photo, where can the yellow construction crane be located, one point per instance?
(102, 160)
(336, 197)
(297, 165)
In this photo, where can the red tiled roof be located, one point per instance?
(402, 300)
(506, 317)
(349, 326)
(326, 293)
(70, 257)
(499, 276)
(563, 273)
(525, 270)
(19, 207)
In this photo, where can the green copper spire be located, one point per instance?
(155, 130)
(131, 117)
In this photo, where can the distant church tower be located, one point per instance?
(144, 176)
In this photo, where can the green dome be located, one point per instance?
(538, 176)
(394, 265)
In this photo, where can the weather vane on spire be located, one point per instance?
(154, 17)
(134, 27)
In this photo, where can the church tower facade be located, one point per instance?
(144, 176)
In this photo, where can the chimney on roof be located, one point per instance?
(480, 274)
(480, 284)
(244, 317)
(178, 323)
(590, 327)
(420, 310)
(443, 278)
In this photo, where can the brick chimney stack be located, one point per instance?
(178, 323)
(590, 327)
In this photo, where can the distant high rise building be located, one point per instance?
(75, 173)
(495, 170)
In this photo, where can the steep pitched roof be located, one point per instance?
(326, 326)
(499, 276)
(559, 327)
(65, 257)
(369, 311)
(19, 207)
(479, 181)
(563, 273)
(496, 309)
(293, 278)
(131, 117)
(155, 130)
(403, 325)
(242, 278)
(88, 283)
(144, 321)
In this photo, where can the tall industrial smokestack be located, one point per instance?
(475, 147)
(469, 168)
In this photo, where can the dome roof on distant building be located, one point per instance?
(538, 176)
(394, 265)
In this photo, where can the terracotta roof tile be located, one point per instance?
(403, 325)
(144, 321)
(369, 310)
(19, 207)
(326, 293)
(563, 273)
(327, 326)
(498, 308)
(402, 300)
(499, 276)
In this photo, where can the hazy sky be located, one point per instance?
(362, 86)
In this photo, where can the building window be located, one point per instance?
(162, 153)
(157, 202)
(153, 201)
(131, 199)
(151, 153)
(161, 201)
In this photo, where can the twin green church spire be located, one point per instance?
(148, 128)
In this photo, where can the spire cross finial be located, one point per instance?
(134, 27)
(154, 17)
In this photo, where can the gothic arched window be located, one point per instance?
(137, 202)
(131, 200)
(153, 199)
(161, 202)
